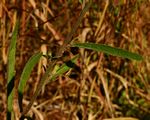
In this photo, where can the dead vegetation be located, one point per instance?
(101, 86)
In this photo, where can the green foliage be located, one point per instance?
(81, 1)
(11, 71)
(26, 74)
(109, 50)
(27, 71)
(62, 69)
(65, 67)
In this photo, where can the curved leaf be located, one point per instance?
(27, 71)
(109, 50)
(11, 70)
(25, 76)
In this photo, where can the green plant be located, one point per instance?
(48, 76)
(11, 72)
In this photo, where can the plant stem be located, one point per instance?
(59, 53)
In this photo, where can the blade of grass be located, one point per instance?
(109, 50)
(122, 118)
(58, 54)
(74, 28)
(11, 71)
(65, 67)
(26, 74)
(46, 77)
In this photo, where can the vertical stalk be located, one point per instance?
(59, 53)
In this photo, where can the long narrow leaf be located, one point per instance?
(65, 67)
(44, 79)
(26, 74)
(27, 71)
(109, 50)
(11, 71)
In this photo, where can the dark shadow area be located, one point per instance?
(79, 114)
(8, 115)
(20, 98)
(10, 86)
(25, 118)
(72, 65)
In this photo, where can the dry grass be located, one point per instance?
(101, 86)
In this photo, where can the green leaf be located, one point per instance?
(27, 71)
(25, 76)
(11, 70)
(65, 67)
(81, 1)
(109, 50)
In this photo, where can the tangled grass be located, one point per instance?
(100, 86)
